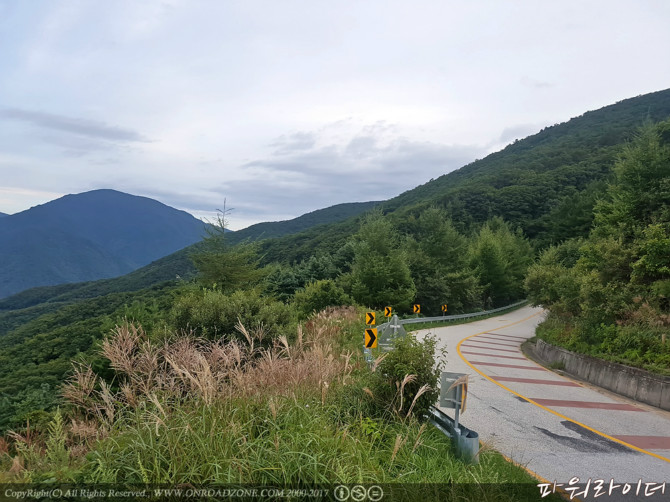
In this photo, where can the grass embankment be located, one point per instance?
(637, 346)
(299, 413)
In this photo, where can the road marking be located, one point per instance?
(560, 415)
(495, 355)
(586, 404)
(649, 442)
(489, 342)
(499, 339)
(506, 336)
(564, 383)
(490, 348)
(483, 363)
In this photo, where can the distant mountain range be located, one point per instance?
(540, 184)
(105, 233)
(92, 235)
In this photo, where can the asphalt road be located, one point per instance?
(558, 428)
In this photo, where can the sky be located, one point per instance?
(279, 108)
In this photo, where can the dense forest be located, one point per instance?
(609, 293)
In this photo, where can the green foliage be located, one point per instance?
(212, 314)
(641, 193)
(56, 453)
(500, 258)
(225, 267)
(437, 255)
(616, 290)
(318, 295)
(393, 388)
(380, 275)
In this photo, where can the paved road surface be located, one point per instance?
(556, 427)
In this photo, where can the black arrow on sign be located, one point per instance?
(369, 318)
(373, 338)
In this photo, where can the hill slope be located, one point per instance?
(538, 183)
(178, 264)
(92, 235)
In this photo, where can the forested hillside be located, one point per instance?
(462, 239)
(609, 293)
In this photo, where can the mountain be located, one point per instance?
(332, 214)
(92, 235)
(545, 184)
(177, 264)
(536, 183)
(3, 214)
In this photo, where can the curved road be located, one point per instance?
(558, 428)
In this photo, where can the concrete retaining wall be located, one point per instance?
(634, 383)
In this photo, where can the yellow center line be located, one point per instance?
(633, 447)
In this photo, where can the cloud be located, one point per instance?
(294, 142)
(72, 125)
(536, 84)
(322, 169)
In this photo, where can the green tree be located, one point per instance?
(438, 262)
(380, 274)
(640, 194)
(227, 268)
(500, 258)
(318, 295)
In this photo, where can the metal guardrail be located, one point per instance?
(465, 441)
(418, 320)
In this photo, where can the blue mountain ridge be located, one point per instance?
(91, 235)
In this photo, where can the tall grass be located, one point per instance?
(189, 410)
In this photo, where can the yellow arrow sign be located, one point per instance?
(444, 307)
(417, 308)
(388, 311)
(371, 338)
(369, 318)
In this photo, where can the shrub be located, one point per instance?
(318, 295)
(406, 379)
(211, 314)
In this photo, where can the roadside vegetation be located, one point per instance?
(378, 266)
(609, 293)
(256, 408)
(242, 361)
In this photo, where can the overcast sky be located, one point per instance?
(283, 107)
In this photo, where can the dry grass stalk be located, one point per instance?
(378, 361)
(422, 390)
(84, 430)
(209, 370)
(17, 466)
(324, 391)
(399, 441)
(80, 386)
(4, 447)
(368, 392)
(405, 381)
(418, 437)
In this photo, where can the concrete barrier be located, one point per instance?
(634, 383)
